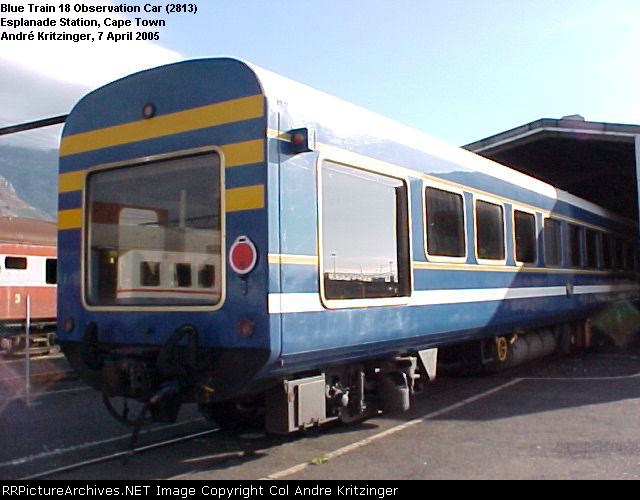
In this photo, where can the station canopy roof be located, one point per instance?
(593, 160)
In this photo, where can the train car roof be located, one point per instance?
(344, 116)
(28, 231)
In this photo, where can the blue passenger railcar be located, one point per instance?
(233, 238)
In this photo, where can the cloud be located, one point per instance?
(43, 78)
(26, 94)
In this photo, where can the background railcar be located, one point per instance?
(343, 251)
(28, 267)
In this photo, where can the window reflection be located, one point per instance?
(364, 234)
(575, 245)
(608, 251)
(592, 237)
(150, 225)
(490, 230)
(552, 242)
(445, 223)
(525, 233)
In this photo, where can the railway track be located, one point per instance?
(226, 447)
(119, 454)
(45, 371)
(50, 376)
(191, 448)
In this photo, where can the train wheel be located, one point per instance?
(502, 350)
(502, 355)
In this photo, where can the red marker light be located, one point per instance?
(243, 255)
(68, 324)
(298, 139)
(245, 328)
(301, 140)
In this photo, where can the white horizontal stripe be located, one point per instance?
(282, 303)
(294, 302)
(437, 297)
(580, 289)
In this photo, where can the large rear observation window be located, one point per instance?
(365, 243)
(150, 228)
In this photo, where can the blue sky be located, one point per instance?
(460, 70)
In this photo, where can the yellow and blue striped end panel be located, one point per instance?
(222, 113)
(235, 155)
(248, 152)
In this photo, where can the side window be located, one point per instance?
(628, 255)
(574, 235)
(138, 217)
(489, 231)
(206, 276)
(365, 235)
(445, 223)
(183, 275)
(608, 251)
(524, 225)
(150, 273)
(552, 243)
(633, 258)
(51, 271)
(620, 253)
(15, 263)
(592, 249)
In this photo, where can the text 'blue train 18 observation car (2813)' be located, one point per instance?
(235, 239)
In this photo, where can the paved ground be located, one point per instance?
(566, 418)
(44, 370)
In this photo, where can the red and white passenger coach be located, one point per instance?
(28, 268)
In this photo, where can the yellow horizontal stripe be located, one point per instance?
(71, 181)
(304, 260)
(503, 269)
(236, 154)
(211, 115)
(244, 198)
(282, 136)
(243, 153)
(236, 200)
(70, 219)
(312, 260)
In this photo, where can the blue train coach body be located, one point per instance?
(225, 232)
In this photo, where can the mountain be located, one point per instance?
(11, 205)
(28, 182)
